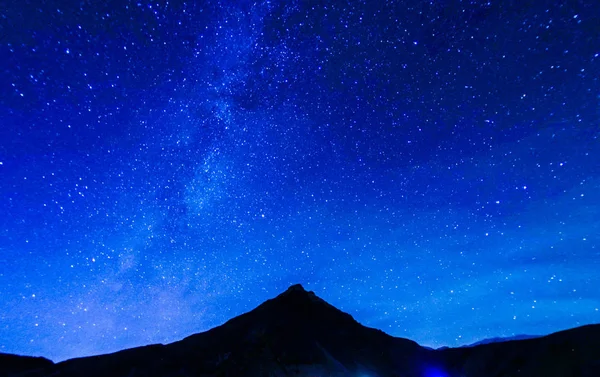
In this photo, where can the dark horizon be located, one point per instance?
(480, 341)
(298, 286)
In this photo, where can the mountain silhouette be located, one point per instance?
(299, 334)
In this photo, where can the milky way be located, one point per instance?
(430, 168)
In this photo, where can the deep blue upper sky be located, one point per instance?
(432, 168)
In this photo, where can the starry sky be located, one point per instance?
(432, 168)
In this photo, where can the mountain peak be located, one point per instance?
(296, 288)
(297, 294)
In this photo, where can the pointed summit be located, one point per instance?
(299, 293)
(298, 306)
(295, 288)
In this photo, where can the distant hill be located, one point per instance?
(502, 339)
(299, 334)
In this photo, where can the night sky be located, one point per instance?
(432, 168)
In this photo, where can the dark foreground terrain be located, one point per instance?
(298, 334)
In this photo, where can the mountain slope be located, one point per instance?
(296, 330)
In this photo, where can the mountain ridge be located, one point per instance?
(299, 334)
(500, 339)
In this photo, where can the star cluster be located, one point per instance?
(432, 168)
